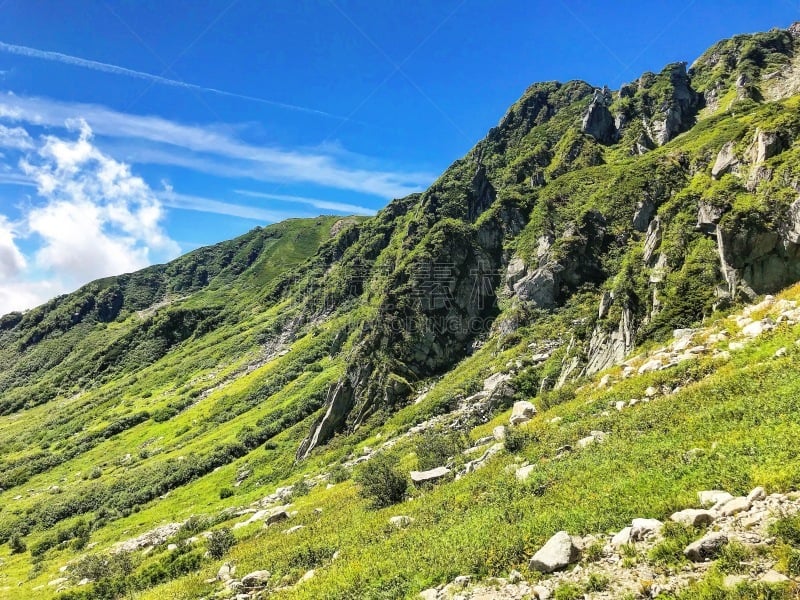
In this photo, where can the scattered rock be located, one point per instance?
(522, 412)
(642, 529)
(772, 576)
(430, 475)
(523, 473)
(276, 517)
(693, 517)
(756, 494)
(499, 433)
(400, 521)
(706, 547)
(559, 552)
(734, 506)
(294, 529)
(256, 579)
(713, 497)
(622, 538)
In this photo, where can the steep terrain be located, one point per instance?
(152, 425)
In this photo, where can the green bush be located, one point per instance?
(338, 474)
(17, 545)
(381, 482)
(220, 541)
(225, 492)
(300, 489)
(568, 591)
(435, 448)
(787, 529)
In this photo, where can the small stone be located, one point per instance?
(276, 517)
(541, 593)
(651, 392)
(429, 475)
(731, 581)
(734, 506)
(462, 581)
(429, 594)
(256, 579)
(307, 575)
(294, 529)
(706, 547)
(645, 528)
(693, 517)
(780, 352)
(772, 576)
(712, 497)
(523, 473)
(400, 521)
(514, 576)
(622, 538)
(620, 405)
(499, 433)
(522, 412)
(559, 552)
(756, 494)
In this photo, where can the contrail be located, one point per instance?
(94, 65)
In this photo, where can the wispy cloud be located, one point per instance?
(214, 149)
(172, 199)
(103, 67)
(321, 204)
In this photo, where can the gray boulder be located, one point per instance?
(430, 475)
(706, 547)
(559, 552)
(726, 161)
(522, 412)
(256, 579)
(693, 517)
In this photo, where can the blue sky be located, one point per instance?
(132, 131)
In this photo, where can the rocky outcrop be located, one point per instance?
(610, 347)
(680, 107)
(597, 120)
(726, 161)
(765, 145)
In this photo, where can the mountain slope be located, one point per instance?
(586, 224)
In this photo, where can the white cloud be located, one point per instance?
(12, 262)
(15, 137)
(94, 218)
(341, 207)
(172, 199)
(21, 295)
(215, 149)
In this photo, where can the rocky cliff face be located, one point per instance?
(548, 214)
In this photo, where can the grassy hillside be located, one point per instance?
(147, 421)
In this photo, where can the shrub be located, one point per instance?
(731, 558)
(568, 591)
(300, 489)
(338, 474)
(435, 447)
(787, 530)
(597, 582)
(16, 544)
(220, 541)
(225, 492)
(381, 482)
(515, 440)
